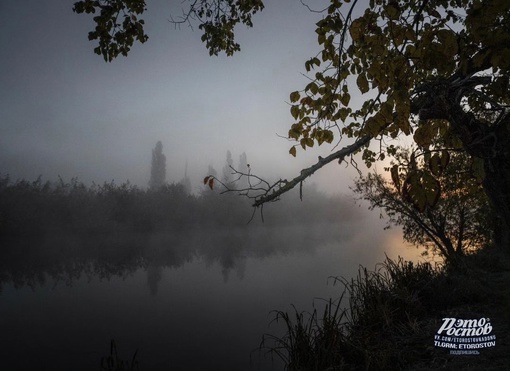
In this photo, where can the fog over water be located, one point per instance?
(197, 298)
(180, 277)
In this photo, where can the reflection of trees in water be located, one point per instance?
(64, 259)
(65, 231)
(154, 275)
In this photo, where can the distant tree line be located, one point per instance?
(33, 208)
(30, 209)
(64, 229)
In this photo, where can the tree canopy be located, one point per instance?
(436, 71)
(457, 224)
(118, 24)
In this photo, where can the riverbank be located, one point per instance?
(394, 314)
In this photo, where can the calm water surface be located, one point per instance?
(198, 302)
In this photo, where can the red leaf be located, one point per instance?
(211, 183)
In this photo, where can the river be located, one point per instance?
(196, 300)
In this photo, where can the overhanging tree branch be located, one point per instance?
(305, 173)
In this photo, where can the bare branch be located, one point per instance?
(305, 173)
(312, 10)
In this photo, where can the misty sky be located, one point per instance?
(64, 111)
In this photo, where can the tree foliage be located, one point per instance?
(454, 223)
(437, 71)
(118, 25)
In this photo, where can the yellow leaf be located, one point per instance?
(362, 83)
(392, 11)
(448, 39)
(432, 189)
(394, 176)
(387, 112)
(423, 135)
(294, 96)
(294, 111)
(356, 29)
(435, 165)
(345, 99)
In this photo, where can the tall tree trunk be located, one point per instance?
(497, 184)
(491, 143)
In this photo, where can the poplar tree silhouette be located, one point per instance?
(158, 169)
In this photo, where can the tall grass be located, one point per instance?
(114, 363)
(366, 328)
(312, 340)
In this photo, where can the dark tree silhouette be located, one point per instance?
(158, 169)
(431, 69)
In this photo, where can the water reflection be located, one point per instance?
(60, 258)
(192, 299)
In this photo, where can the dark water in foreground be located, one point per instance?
(199, 302)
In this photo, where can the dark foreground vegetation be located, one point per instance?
(386, 319)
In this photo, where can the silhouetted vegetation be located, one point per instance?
(458, 223)
(114, 363)
(62, 230)
(389, 316)
(158, 167)
(35, 208)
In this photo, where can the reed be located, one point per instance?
(114, 363)
(365, 328)
(312, 340)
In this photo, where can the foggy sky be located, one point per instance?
(64, 111)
